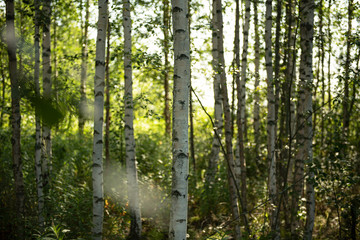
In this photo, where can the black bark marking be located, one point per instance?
(98, 62)
(99, 94)
(181, 220)
(96, 165)
(182, 155)
(177, 9)
(176, 193)
(183, 56)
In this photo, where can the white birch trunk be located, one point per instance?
(289, 91)
(133, 190)
(256, 85)
(228, 134)
(84, 51)
(38, 173)
(238, 94)
(241, 93)
(218, 111)
(99, 83)
(306, 76)
(180, 169)
(166, 31)
(304, 137)
(243, 72)
(271, 122)
(46, 61)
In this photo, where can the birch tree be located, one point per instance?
(15, 115)
(271, 123)
(47, 84)
(239, 149)
(99, 83)
(180, 166)
(84, 53)
(218, 110)
(133, 192)
(346, 100)
(241, 105)
(305, 94)
(107, 100)
(228, 134)
(166, 29)
(39, 181)
(257, 83)
(288, 121)
(304, 139)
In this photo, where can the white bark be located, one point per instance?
(257, 83)
(38, 173)
(218, 111)
(271, 123)
(180, 169)
(133, 190)
(289, 99)
(304, 138)
(306, 76)
(84, 51)
(228, 132)
(99, 83)
(241, 99)
(46, 61)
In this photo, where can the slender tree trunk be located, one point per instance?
(84, 52)
(346, 100)
(215, 150)
(271, 122)
(99, 83)
(192, 147)
(131, 172)
(56, 72)
(279, 5)
(180, 169)
(243, 69)
(107, 100)
(329, 34)
(3, 83)
(46, 61)
(228, 135)
(289, 105)
(39, 181)
(306, 78)
(239, 149)
(279, 161)
(322, 61)
(241, 105)
(304, 134)
(166, 28)
(256, 86)
(15, 116)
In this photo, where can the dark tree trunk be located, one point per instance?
(15, 116)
